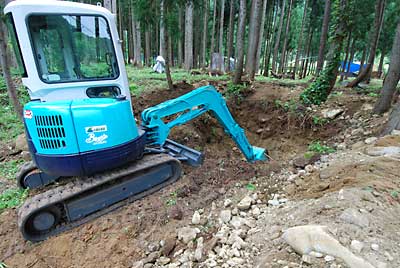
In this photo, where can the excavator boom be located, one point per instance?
(189, 106)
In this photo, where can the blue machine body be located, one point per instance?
(81, 137)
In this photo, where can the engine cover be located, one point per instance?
(81, 137)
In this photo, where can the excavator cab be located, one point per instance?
(67, 55)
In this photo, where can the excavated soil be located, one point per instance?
(117, 239)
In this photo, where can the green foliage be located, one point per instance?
(12, 198)
(8, 169)
(372, 94)
(251, 187)
(309, 155)
(234, 90)
(288, 106)
(10, 124)
(317, 147)
(319, 121)
(394, 194)
(320, 89)
(3, 265)
(171, 201)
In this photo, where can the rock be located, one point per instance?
(236, 262)
(316, 254)
(395, 132)
(309, 168)
(169, 245)
(198, 253)
(329, 258)
(256, 212)
(383, 151)
(273, 202)
(331, 114)
(375, 247)
(307, 238)
(341, 146)
(307, 259)
(388, 256)
(20, 143)
(327, 173)
(302, 161)
(196, 218)
(187, 234)
(137, 264)
(153, 247)
(175, 213)
(151, 258)
(371, 140)
(227, 202)
(26, 156)
(357, 246)
(259, 131)
(163, 260)
(225, 216)
(148, 265)
(352, 216)
(245, 203)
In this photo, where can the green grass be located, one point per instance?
(144, 79)
(8, 169)
(10, 124)
(12, 198)
(317, 147)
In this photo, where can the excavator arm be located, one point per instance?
(190, 106)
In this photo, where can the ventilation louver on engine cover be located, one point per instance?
(50, 131)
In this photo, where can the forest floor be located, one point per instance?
(327, 167)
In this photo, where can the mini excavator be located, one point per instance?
(89, 155)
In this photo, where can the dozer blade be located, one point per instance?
(83, 199)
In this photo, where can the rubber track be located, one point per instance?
(78, 185)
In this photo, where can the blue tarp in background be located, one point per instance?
(354, 67)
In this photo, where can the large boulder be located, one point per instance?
(309, 238)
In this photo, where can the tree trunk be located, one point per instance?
(5, 66)
(213, 33)
(278, 37)
(230, 34)
(308, 50)
(394, 120)
(271, 30)
(324, 35)
(239, 42)
(205, 34)
(221, 36)
(167, 64)
(392, 78)
(138, 56)
(300, 41)
(189, 36)
(379, 8)
(346, 58)
(362, 61)
(254, 38)
(147, 49)
(380, 67)
(320, 89)
(283, 54)
(163, 50)
(351, 57)
(180, 49)
(261, 35)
